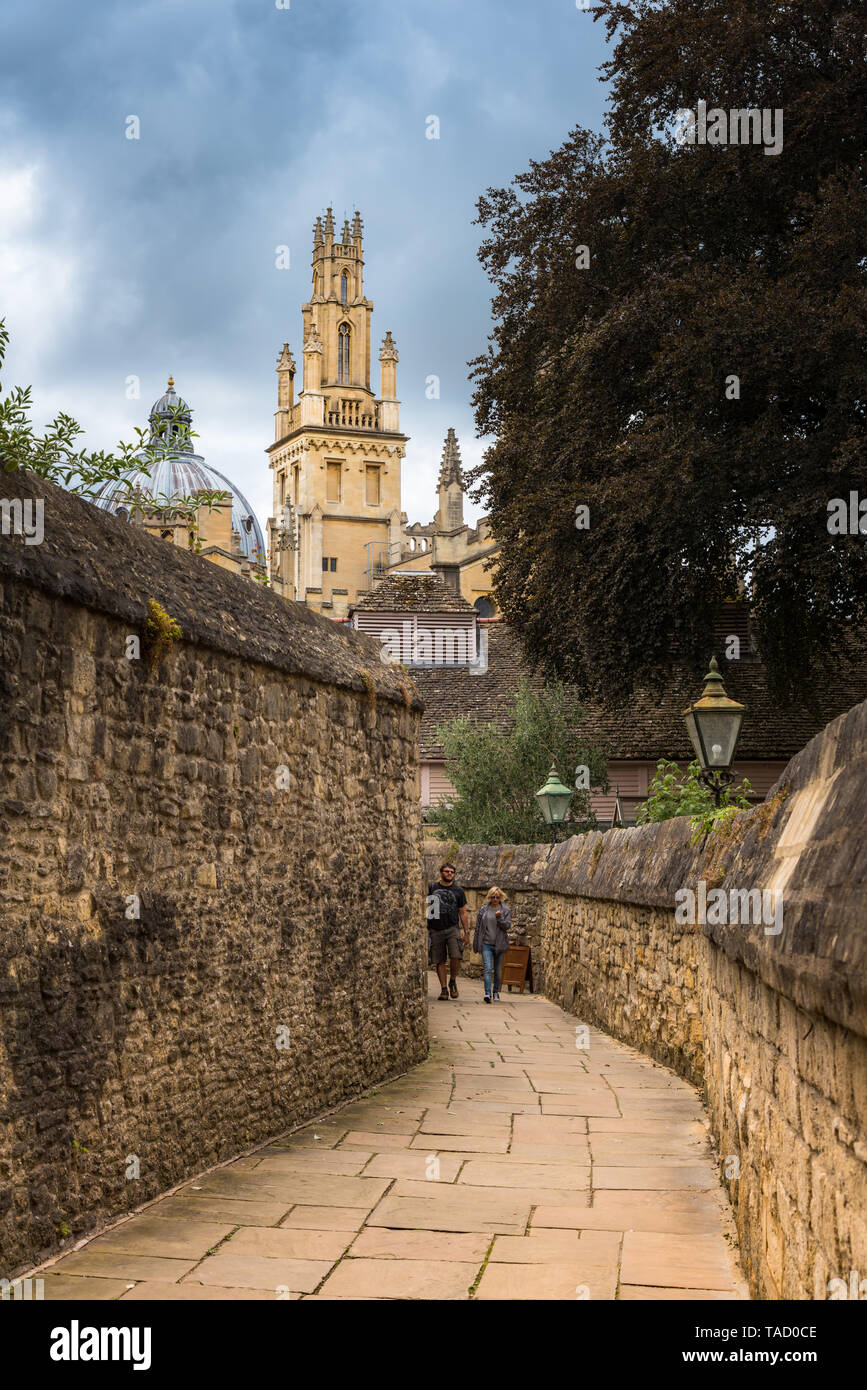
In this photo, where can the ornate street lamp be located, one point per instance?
(553, 801)
(714, 725)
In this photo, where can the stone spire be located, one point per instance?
(329, 222)
(450, 467)
(285, 392)
(286, 362)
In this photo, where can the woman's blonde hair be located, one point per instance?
(495, 893)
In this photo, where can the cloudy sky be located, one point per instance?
(128, 258)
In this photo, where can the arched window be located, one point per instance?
(484, 607)
(344, 287)
(343, 334)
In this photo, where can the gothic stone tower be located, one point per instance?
(337, 450)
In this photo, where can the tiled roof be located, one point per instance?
(413, 593)
(646, 728)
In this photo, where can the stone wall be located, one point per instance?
(771, 1025)
(253, 799)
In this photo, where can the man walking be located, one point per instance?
(449, 927)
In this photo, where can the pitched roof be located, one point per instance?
(413, 592)
(647, 728)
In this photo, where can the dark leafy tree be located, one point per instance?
(611, 386)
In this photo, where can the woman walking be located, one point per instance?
(492, 939)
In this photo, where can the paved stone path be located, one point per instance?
(510, 1165)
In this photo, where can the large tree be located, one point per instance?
(611, 386)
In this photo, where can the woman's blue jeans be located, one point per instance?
(493, 962)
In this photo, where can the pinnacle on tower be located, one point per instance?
(317, 232)
(450, 467)
(329, 222)
(345, 236)
(313, 342)
(388, 351)
(357, 226)
(286, 362)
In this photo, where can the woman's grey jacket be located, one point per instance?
(486, 914)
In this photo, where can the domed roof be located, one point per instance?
(180, 472)
(169, 403)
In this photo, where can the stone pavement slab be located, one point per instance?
(152, 1291)
(550, 1129)
(59, 1287)
(261, 1272)
(635, 1293)
(572, 1280)
(609, 1151)
(326, 1218)
(443, 1121)
(396, 1278)
(333, 1162)
(676, 1261)
(657, 1177)
(364, 1139)
(509, 1165)
(588, 1248)
(415, 1165)
(124, 1264)
(478, 1173)
(422, 1245)
(551, 1153)
(674, 1212)
(217, 1209)
(287, 1243)
(463, 1143)
(187, 1240)
(312, 1189)
(441, 1207)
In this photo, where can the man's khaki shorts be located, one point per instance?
(445, 942)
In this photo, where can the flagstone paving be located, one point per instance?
(509, 1165)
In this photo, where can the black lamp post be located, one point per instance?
(714, 724)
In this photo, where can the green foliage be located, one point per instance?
(496, 774)
(612, 386)
(716, 820)
(55, 456)
(673, 794)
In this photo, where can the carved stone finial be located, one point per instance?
(388, 351)
(286, 362)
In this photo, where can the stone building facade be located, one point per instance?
(337, 526)
(195, 835)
